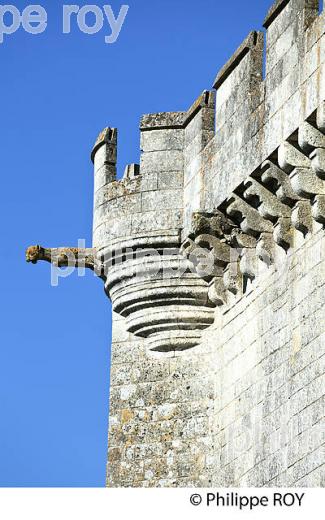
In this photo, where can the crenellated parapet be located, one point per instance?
(169, 299)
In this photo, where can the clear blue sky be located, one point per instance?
(58, 91)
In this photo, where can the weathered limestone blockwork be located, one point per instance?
(212, 251)
(245, 407)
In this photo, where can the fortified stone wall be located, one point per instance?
(217, 379)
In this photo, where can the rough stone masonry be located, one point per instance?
(217, 375)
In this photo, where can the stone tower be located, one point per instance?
(212, 251)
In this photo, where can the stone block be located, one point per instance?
(159, 140)
(161, 161)
(164, 200)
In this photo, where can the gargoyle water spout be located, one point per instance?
(63, 256)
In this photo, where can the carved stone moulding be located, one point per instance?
(286, 192)
(154, 287)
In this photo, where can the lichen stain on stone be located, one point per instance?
(296, 343)
(126, 416)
